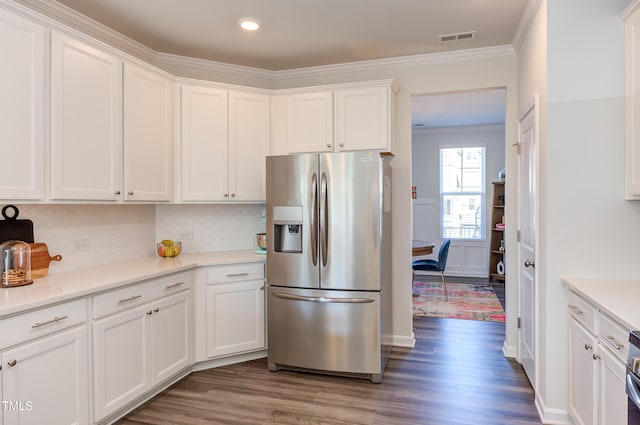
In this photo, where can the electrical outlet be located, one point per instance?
(80, 245)
(186, 235)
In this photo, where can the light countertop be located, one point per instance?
(617, 298)
(80, 283)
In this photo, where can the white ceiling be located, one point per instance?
(305, 33)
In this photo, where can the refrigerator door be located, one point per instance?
(351, 196)
(292, 221)
(337, 331)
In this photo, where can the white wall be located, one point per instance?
(573, 58)
(466, 258)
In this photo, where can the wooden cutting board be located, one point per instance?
(40, 260)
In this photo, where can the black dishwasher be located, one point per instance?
(633, 379)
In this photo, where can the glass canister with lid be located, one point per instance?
(15, 258)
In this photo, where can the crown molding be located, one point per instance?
(525, 22)
(63, 17)
(213, 66)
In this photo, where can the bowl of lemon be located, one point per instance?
(168, 248)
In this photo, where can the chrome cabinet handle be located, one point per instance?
(135, 297)
(530, 263)
(576, 310)
(611, 341)
(55, 319)
(174, 285)
(237, 274)
(12, 362)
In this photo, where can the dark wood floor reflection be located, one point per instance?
(456, 374)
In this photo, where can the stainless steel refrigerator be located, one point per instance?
(329, 262)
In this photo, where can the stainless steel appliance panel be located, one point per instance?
(336, 331)
(633, 379)
(350, 225)
(291, 188)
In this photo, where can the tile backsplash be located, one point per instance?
(91, 235)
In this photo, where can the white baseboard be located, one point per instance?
(402, 341)
(552, 416)
(509, 351)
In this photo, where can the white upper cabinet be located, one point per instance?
(22, 107)
(310, 122)
(204, 143)
(148, 134)
(348, 117)
(224, 143)
(362, 118)
(86, 139)
(249, 139)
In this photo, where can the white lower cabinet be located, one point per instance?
(44, 376)
(138, 348)
(597, 354)
(235, 317)
(46, 381)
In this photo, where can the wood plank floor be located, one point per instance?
(456, 374)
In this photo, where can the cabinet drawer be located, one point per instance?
(614, 337)
(41, 322)
(134, 295)
(582, 311)
(235, 273)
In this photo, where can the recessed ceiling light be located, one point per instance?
(249, 24)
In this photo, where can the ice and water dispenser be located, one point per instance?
(287, 229)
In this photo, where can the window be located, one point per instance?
(462, 193)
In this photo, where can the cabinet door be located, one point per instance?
(249, 137)
(583, 389)
(362, 118)
(171, 335)
(148, 135)
(310, 122)
(48, 381)
(204, 144)
(613, 398)
(22, 107)
(235, 317)
(121, 359)
(86, 127)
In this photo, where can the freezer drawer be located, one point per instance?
(334, 331)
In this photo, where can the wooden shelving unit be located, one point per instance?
(497, 233)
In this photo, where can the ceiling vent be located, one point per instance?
(461, 36)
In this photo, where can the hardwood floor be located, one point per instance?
(456, 374)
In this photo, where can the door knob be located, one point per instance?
(530, 263)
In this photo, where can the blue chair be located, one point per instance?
(436, 266)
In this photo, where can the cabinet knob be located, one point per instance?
(587, 347)
(595, 357)
(156, 309)
(262, 288)
(342, 145)
(149, 313)
(12, 362)
(226, 195)
(233, 195)
(117, 192)
(328, 145)
(529, 263)
(130, 192)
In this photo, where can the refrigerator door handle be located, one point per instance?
(323, 299)
(324, 219)
(314, 219)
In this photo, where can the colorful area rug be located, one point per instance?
(471, 301)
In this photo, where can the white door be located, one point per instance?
(121, 359)
(613, 397)
(527, 186)
(171, 335)
(22, 106)
(148, 135)
(86, 127)
(362, 118)
(48, 380)
(583, 379)
(240, 304)
(310, 122)
(249, 137)
(204, 143)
